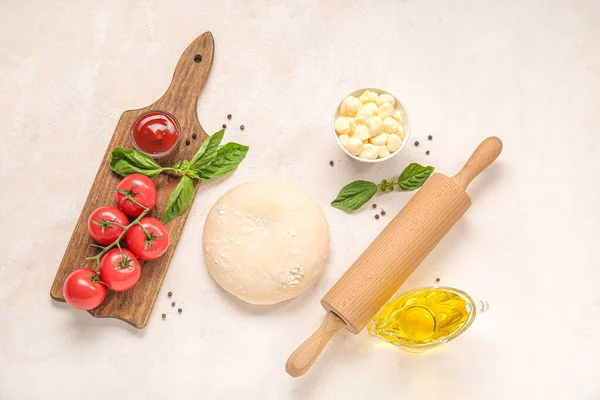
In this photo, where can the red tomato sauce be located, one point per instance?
(156, 132)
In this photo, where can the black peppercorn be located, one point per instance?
(427, 152)
(179, 310)
(224, 126)
(376, 216)
(242, 127)
(374, 205)
(170, 294)
(164, 316)
(173, 304)
(228, 116)
(429, 137)
(382, 212)
(417, 143)
(437, 279)
(331, 163)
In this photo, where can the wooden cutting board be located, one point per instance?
(135, 305)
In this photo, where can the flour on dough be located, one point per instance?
(265, 241)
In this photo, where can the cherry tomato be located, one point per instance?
(150, 242)
(139, 188)
(82, 289)
(120, 269)
(101, 224)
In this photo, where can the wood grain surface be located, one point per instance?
(483, 156)
(135, 305)
(305, 356)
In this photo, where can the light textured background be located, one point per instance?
(526, 71)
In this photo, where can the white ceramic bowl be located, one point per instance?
(399, 106)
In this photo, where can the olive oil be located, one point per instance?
(424, 317)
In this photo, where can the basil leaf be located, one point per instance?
(354, 195)
(184, 168)
(179, 199)
(414, 176)
(227, 159)
(207, 152)
(128, 161)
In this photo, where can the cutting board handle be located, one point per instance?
(483, 156)
(305, 356)
(190, 76)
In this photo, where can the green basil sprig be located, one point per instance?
(179, 199)
(226, 160)
(208, 151)
(211, 160)
(354, 195)
(414, 176)
(128, 161)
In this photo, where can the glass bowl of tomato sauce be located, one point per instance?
(156, 133)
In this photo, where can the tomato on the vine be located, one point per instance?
(104, 222)
(148, 240)
(82, 290)
(135, 187)
(120, 269)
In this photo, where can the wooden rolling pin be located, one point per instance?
(378, 273)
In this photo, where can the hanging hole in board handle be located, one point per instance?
(197, 58)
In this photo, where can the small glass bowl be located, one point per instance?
(398, 106)
(163, 153)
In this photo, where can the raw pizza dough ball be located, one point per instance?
(266, 241)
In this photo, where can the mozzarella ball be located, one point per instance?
(385, 98)
(371, 107)
(344, 139)
(379, 140)
(400, 132)
(341, 125)
(390, 125)
(394, 142)
(354, 145)
(364, 97)
(369, 152)
(362, 132)
(382, 151)
(350, 106)
(352, 124)
(375, 126)
(368, 96)
(386, 110)
(362, 117)
(398, 117)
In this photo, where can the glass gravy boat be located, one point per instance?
(426, 317)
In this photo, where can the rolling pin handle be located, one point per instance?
(304, 357)
(483, 156)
